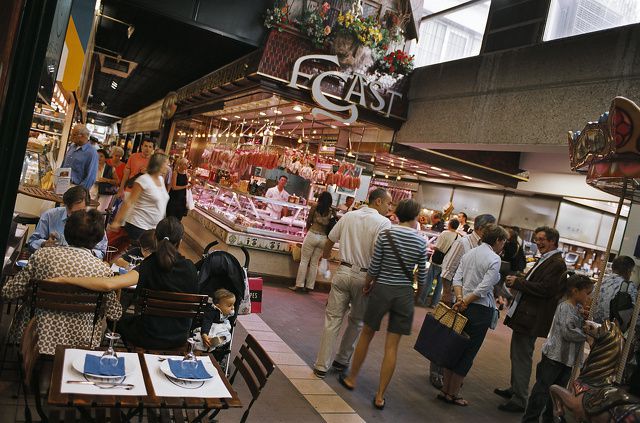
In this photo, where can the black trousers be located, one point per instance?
(549, 372)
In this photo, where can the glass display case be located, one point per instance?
(248, 213)
(37, 170)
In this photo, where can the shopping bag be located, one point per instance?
(440, 344)
(245, 303)
(190, 203)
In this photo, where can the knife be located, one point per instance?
(103, 384)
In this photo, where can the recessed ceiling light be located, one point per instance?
(403, 159)
(297, 108)
(422, 172)
(224, 118)
(315, 132)
(299, 117)
(237, 117)
(445, 175)
(277, 112)
(334, 127)
(467, 177)
(373, 159)
(347, 124)
(114, 84)
(436, 168)
(263, 114)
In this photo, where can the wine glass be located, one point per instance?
(109, 357)
(190, 361)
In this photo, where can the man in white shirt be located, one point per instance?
(357, 232)
(277, 193)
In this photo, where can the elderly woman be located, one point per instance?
(116, 162)
(147, 203)
(473, 283)
(82, 231)
(397, 252)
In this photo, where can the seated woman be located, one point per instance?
(164, 270)
(82, 231)
(147, 244)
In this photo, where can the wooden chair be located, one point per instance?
(29, 362)
(172, 304)
(58, 297)
(255, 366)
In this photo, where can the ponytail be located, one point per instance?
(169, 234)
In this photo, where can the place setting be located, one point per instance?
(109, 373)
(185, 376)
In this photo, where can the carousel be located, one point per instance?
(608, 153)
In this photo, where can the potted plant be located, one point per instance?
(278, 16)
(314, 24)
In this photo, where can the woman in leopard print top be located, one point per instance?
(82, 231)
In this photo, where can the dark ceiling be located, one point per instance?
(169, 53)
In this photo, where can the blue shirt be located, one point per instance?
(53, 220)
(83, 162)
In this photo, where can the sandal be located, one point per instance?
(343, 382)
(379, 406)
(459, 401)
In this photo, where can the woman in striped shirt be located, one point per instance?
(396, 254)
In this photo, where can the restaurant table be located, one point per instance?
(116, 403)
(43, 194)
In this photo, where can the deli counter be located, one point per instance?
(236, 218)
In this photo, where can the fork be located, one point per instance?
(104, 385)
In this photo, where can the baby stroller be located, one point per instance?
(220, 269)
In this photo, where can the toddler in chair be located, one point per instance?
(216, 328)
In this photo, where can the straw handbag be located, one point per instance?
(447, 317)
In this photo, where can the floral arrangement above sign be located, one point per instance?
(396, 63)
(363, 44)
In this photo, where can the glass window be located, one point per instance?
(573, 17)
(450, 35)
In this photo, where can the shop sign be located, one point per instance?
(360, 91)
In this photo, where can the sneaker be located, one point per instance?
(339, 366)
(293, 288)
(319, 373)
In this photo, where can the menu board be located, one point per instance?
(529, 212)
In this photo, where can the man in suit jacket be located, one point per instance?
(536, 297)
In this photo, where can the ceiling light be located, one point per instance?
(277, 112)
(467, 177)
(373, 159)
(300, 117)
(224, 118)
(315, 132)
(422, 172)
(347, 124)
(114, 84)
(398, 178)
(297, 108)
(130, 30)
(299, 140)
(386, 176)
(263, 114)
(102, 103)
(350, 154)
(250, 133)
(436, 168)
(334, 127)
(237, 117)
(446, 175)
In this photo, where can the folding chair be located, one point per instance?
(255, 366)
(172, 304)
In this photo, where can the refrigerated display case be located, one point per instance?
(247, 214)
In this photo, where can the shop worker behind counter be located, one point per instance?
(81, 157)
(357, 232)
(536, 297)
(50, 229)
(277, 193)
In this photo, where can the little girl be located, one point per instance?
(216, 328)
(561, 350)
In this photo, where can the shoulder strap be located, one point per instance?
(407, 273)
(454, 240)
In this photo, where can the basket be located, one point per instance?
(296, 252)
(449, 317)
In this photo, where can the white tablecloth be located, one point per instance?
(165, 387)
(69, 373)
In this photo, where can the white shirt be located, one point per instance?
(457, 250)
(274, 209)
(478, 272)
(357, 232)
(152, 203)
